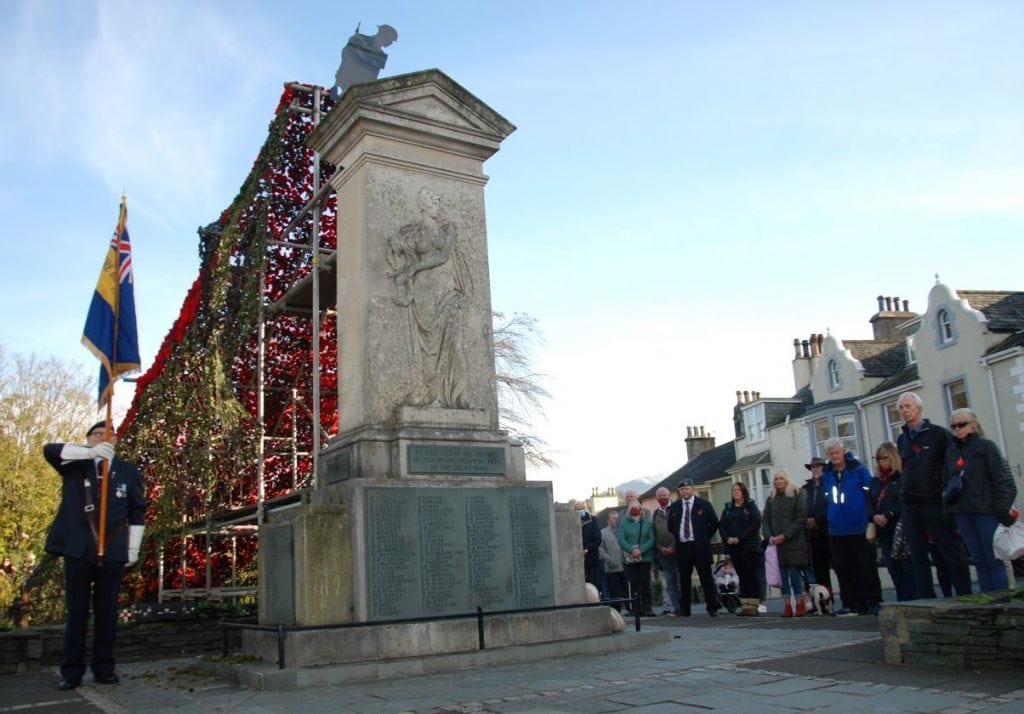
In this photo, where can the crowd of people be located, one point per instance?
(933, 500)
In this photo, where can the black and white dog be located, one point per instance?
(821, 600)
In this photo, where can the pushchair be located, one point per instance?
(727, 582)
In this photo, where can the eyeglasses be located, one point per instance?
(960, 424)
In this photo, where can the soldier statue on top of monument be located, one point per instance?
(363, 58)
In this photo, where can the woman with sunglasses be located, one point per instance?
(885, 509)
(986, 498)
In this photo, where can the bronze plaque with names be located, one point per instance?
(443, 551)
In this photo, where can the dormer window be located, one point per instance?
(753, 421)
(834, 378)
(944, 328)
(911, 351)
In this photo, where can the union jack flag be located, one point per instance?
(110, 330)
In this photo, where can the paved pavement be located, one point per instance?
(727, 664)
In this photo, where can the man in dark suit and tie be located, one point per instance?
(74, 535)
(692, 522)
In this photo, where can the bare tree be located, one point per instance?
(520, 393)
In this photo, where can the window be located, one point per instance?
(911, 351)
(753, 420)
(822, 433)
(839, 426)
(834, 381)
(846, 429)
(893, 421)
(764, 477)
(956, 396)
(944, 328)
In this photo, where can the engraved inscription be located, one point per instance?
(462, 460)
(443, 551)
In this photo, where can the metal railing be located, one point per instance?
(282, 630)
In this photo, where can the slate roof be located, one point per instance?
(775, 413)
(761, 457)
(880, 359)
(904, 376)
(1004, 309)
(706, 466)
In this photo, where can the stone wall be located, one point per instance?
(35, 648)
(953, 634)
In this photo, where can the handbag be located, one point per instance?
(871, 532)
(772, 574)
(955, 484)
(954, 487)
(1008, 541)
(900, 545)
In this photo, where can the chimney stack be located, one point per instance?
(697, 442)
(890, 316)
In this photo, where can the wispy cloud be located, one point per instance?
(102, 85)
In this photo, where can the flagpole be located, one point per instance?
(105, 465)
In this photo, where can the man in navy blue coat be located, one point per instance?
(692, 521)
(74, 535)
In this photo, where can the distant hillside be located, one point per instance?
(639, 484)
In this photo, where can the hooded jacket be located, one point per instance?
(847, 497)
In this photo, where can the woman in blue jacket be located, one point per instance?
(846, 483)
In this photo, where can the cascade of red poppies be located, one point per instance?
(192, 426)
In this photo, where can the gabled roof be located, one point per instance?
(775, 413)
(1014, 340)
(703, 467)
(880, 359)
(904, 376)
(1004, 309)
(761, 457)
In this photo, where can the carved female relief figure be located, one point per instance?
(432, 282)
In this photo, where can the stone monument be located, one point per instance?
(422, 508)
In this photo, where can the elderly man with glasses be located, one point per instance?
(923, 447)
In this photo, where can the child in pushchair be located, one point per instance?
(727, 583)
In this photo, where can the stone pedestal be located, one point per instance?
(421, 507)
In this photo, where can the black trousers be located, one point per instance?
(920, 521)
(857, 571)
(821, 558)
(85, 584)
(616, 587)
(746, 563)
(686, 561)
(639, 577)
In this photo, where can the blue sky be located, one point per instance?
(691, 186)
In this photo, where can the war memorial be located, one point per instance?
(423, 517)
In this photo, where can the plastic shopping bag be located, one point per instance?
(771, 566)
(1008, 542)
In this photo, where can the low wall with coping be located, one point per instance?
(36, 648)
(950, 633)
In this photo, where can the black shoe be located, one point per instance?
(713, 613)
(106, 679)
(66, 684)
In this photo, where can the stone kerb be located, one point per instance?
(954, 634)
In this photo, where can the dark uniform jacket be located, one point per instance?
(71, 534)
(704, 521)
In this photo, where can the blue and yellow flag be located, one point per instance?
(110, 331)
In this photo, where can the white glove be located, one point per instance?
(74, 452)
(103, 450)
(134, 543)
